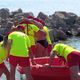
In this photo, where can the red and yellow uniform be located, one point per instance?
(30, 30)
(3, 55)
(19, 52)
(48, 39)
(71, 55)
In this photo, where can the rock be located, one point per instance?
(57, 35)
(20, 15)
(13, 13)
(60, 23)
(7, 28)
(42, 16)
(4, 13)
(78, 31)
(70, 18)
(61, 35)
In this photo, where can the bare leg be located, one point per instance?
(28, 73)
(1, 71)
(12, 72)
(39, 50)
(7, 73)
(74, 73)
(42, 50)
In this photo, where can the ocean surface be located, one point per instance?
(74, 42)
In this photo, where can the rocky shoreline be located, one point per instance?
(61, 24)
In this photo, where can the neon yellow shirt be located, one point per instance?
(20, 44)
(47, 34)
(3, 53)
(30, 29)
(63, 50)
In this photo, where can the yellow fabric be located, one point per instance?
(30, 29)
(20, 44)
(3, 53)
(63, 50)
(47, 34)
(31, 32)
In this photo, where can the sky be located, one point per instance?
(46, 6)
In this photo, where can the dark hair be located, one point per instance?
(1, 38)
(21, 27)
(5, 38)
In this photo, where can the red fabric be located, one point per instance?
(2, 65)
(49, 48)
(73, 59)
(33, 48)
(30, 17)
(56, 61)
(50, 73)
(8, 33)
(59, 72)
(21, 27)
(22, 61)
(39, 20)
(25, 22)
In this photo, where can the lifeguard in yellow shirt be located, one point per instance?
(3, 56)
(72, 57)
(19, 52)
(42, 38)
(30, 30)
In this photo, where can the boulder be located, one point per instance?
(42, 16)
(4, 13)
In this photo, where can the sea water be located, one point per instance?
(74, 42)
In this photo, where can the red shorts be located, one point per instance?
(33, 48)
(2, 65)
(22, 61)
(73, 58)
